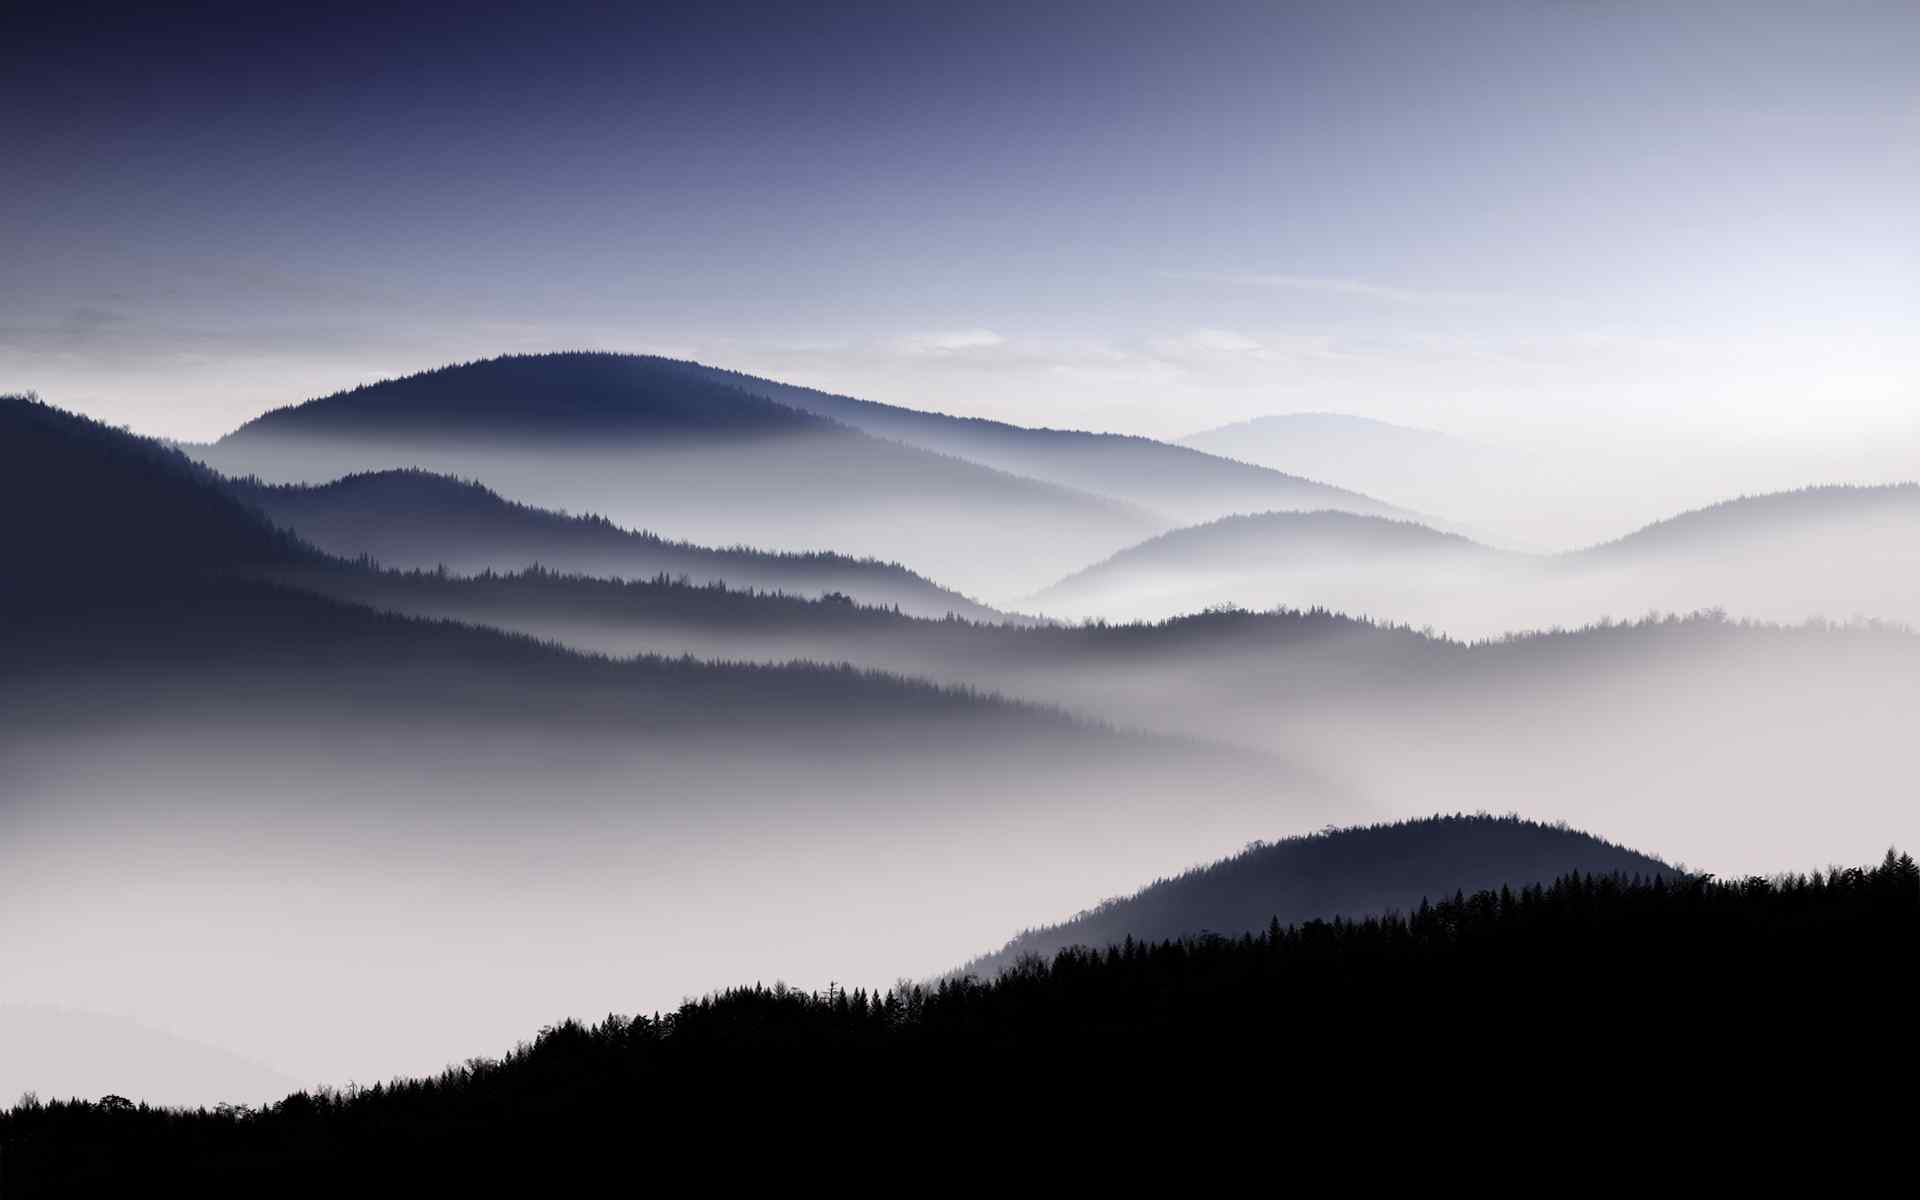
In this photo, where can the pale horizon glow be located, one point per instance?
(1537, 222)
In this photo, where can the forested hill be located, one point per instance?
(85, 500)
(411, 518)
(560, 396)
(1640, 981)
(1354, 872)
(651, 445)
(135, 565)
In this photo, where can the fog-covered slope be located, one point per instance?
(352, 843)
(1180, 482)
(418, 519)
(1804, 521)
(1416, 467)
(1354, 872)
(1828, 552)
(1689, 734)
(1396, 570)
(652, 445)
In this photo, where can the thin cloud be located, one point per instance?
(949, 341)
(1331, 285)
(1205, 341)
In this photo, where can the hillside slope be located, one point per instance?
(650, 445)
(1356, 872)
(1184, 484)
(1835, 553)
(418, 519)
(1422, 468)
(1391, 569)
(1682, 733)
(303, 831)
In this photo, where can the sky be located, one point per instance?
(1575, 219)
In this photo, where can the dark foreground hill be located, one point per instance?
(1354, 872)
(418, 519)
(1582, 997)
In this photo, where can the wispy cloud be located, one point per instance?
(1204, 341)
(948, 341)
(1336, 286)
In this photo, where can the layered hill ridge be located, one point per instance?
(653, 444)
(208, 767)
(1774, 520)
(1181, 482)
(1351, 562)
(562, 397)
(1835, 552)
(1342, 448)
(412, 518)
(1355, 872)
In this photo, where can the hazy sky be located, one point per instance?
(1545, 216)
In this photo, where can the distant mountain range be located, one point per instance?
(1334, 446)
(1625, 724)
(412, 518)
(1356, 872)
(650, 445)
(1438, 475)
(225, 744)
(704, 455)
(1334, 560)
(1803, 521)
(1833, 552)
(1179, 482)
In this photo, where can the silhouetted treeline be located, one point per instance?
(1583, 994)
(1279, 663)
(1339, 872)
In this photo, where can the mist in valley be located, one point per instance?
(1823, 553)
(345, 820)
(908, 551)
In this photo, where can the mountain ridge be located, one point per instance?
(1128, 467)
(1835, 551)
(649, 443)
(411, 518)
